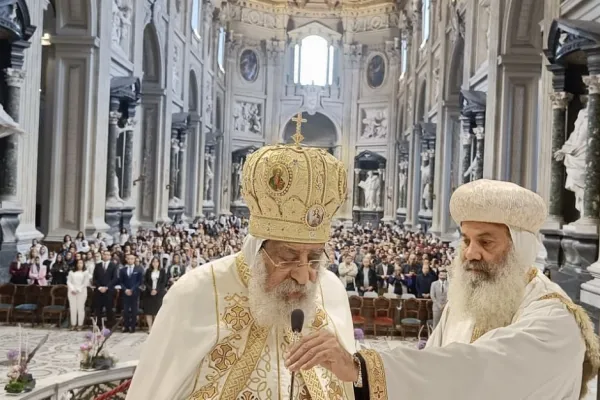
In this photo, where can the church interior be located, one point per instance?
(125, 116)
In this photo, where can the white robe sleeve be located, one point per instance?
(540, 356)
(184, 331)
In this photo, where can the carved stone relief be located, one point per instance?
(122, 14)
(257, 18)
(177, 70)
(484, 25)
(247, 117)
(436, 80)
(208, 102)
(371, 22)
(374, 123)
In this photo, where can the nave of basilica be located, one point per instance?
(121, 114)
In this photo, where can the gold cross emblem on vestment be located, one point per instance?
(298, 135)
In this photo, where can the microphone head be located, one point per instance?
(297, 320)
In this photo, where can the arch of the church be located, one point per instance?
(193, 99)
(319, 130)
(152, 56)
(521, 25)
(454, 75)
(78, 14)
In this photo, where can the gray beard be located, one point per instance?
(272, 307)
(490, 298)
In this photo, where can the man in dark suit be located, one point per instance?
(130, 278)
(104, 280)
(384, 270)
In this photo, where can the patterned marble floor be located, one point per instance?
(60, 354)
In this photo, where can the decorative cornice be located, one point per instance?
(321, 9)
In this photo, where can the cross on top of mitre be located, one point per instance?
(297, 137)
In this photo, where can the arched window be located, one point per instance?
(221, 49)
(313, 61)
(196, 17)
(425, 19)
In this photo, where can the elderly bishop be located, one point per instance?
(224, 328)
(507, 332)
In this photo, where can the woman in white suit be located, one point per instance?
(78, 281)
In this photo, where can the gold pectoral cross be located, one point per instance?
(298, 138)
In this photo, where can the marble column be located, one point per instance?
(180, 189)
(173, 166)
(128, 160)
(112, 187)
(465, 139)
(431, 166)
(560, 103)
(356, 188)
(591, 195)
(9, 144)
(479, 132)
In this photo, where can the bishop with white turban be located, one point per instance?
(507, 331)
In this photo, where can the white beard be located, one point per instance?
(490, 299)
(272, 307)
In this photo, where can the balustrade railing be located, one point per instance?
(82, 385)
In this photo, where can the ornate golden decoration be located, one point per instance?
(242, 370)
(334, 390)
(223, 356)
(237, 316)
(320, 319)
(531, 274)
(242, 269)
(375, 375)
(247, 395)
(298, 138)
(293, 192)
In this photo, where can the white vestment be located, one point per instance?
(205, 343)
(538, 356)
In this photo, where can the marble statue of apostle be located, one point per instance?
(573, 154)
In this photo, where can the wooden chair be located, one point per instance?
(30, 307)
(410, 317)
(381, 314)
(7, 299)
(356, 306)
(58, 303)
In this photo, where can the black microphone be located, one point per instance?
(297, 323)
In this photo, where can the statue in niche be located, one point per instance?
(122, 12)
(573, 154)
(208, 176)
(371, 187)
(237, 181)
(375, 125)
(402, 176)
(425, 182)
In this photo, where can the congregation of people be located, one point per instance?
(138, 268)
(142, 266)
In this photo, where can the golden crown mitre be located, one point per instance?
(293, 192)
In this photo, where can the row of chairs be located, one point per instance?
(405, 314)
(30, 302)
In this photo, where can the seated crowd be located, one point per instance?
(138, 269)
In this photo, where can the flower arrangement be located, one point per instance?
(359, 336)
(93, 354)
(20, 380)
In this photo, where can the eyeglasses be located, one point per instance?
(288, 265)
